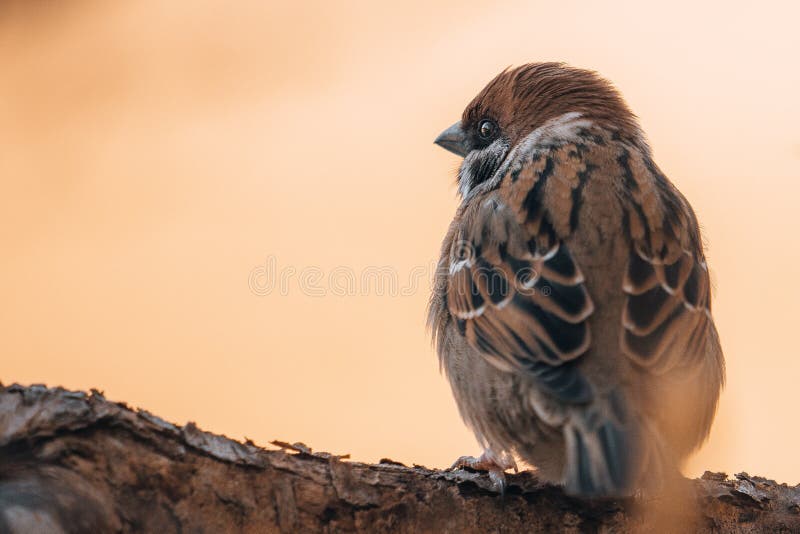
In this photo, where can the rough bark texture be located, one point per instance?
(75, 462)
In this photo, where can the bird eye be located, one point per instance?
(486, 129)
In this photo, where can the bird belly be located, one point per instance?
(498, 408)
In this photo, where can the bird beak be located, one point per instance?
(453, 139)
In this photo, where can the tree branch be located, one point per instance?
(75, 462)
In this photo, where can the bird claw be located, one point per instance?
(494, 464)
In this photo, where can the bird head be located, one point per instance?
(518, 102)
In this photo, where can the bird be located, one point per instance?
(571, 305)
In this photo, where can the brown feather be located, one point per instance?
(571, 304)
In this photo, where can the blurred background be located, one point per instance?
(228, 213)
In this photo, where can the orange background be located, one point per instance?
(154, 154)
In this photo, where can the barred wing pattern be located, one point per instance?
(667, 313)
(513, 288)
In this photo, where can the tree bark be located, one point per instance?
(76, 462)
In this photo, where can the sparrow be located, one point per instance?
(571, 307)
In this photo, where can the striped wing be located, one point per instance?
(667, 313)
(517, 294)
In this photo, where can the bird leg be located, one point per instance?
(495, 464)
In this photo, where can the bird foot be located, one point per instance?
(495, 464)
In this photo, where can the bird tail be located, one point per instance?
(609, 450)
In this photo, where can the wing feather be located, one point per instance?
(514, 287)
(666, 317)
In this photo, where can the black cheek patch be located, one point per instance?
(482, 168)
